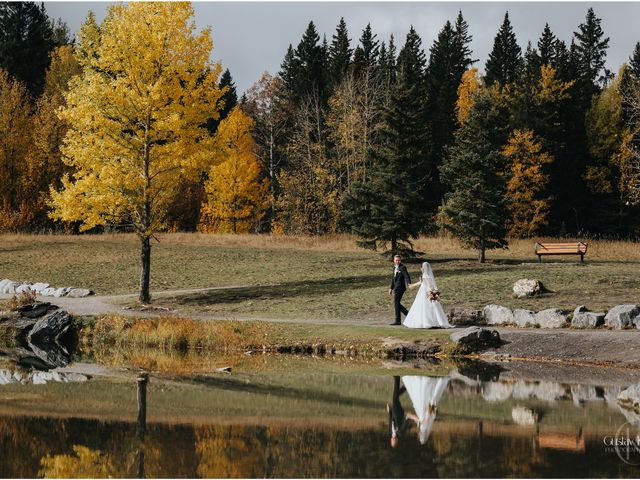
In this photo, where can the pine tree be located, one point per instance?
(230, 98)
(339, 53)
(447, 62)
(505, 60)
(464, 38)
(311, 62)
(389, 210)
(475, 208)
(26, 38)
(591, 51)
(547, 47)
(634, 61)
(366, 53)
(289, 70)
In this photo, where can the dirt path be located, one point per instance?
(594, 347)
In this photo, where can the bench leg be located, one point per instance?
(539, 258)
(581, 258)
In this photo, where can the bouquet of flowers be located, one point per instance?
(433, 295)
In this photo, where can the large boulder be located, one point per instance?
(52, 326)
(630, 398)
(551, 318)
(465, 316)
(622, 316)
(497, 315)
(48, 292)
(475, 334)
(582, 318)
(36, 310)
(7, 286)
(39, 287)
(524, 318)
(79, 292)
(526, 287)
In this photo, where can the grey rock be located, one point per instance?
(51, 353)
(523, 390)
(550, 318)
(52, 326)
(4, 283)
(526, 287)
(473, 335)
(61, 292)
(465, 316)
(79, 292)
(581, 394)
(48, 292)
(38, 287)
(549, 391)
(20, 325)
(9, 287)
(622, 316)
(24, 287)
(582, 318)
(523, 416)
(524, 317)
(497, 391)
(630, 398)
(497, 315)
(36, 310)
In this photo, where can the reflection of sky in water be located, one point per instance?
(308, 424)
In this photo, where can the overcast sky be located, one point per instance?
(251, 37)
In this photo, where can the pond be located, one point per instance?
(279, 416)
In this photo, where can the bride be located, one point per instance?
(426, 311)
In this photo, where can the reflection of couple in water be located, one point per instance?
(425, 392)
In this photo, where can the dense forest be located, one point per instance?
(379, 137)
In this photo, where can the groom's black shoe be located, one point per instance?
(395, 323)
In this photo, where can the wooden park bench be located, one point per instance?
(578, 248)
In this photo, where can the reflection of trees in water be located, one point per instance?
(31, 445)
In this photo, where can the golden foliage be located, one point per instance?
(14, 145)
(527, 183)
(237, 198)
(137, 116)
(86, 463)
(62, 68)
(470, 83)
(549, 88)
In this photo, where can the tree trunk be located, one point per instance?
(145, 274)
(481, 256)
(394, 245)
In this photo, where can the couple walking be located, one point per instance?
(426, 311)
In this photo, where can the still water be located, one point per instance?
(304, 418)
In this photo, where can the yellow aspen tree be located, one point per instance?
(469, 85)
(62, 68)
(14, 145)
(237, 198)
(137, 119)
(527, 183)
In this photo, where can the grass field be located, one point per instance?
(316, 278)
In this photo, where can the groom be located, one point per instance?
(399, 282)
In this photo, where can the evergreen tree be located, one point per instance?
(464, 38)
(531, 65)
(449, 59)
(475, 209)
(634, 61)
(339, 53)
(289, 70)
(505, 60)
(26, 38)
(547, 47)
(311, 60)
(366, 53)
(230, 98)
(591, 51)
(389, 210)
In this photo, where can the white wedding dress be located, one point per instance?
(425, 313)
(425, 391)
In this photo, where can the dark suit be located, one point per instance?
(397, 417)
(399, 282)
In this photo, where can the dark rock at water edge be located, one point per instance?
(52, 326)
(477, 337)
(36, 310)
